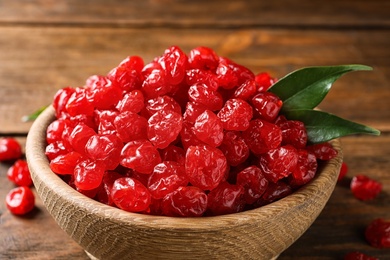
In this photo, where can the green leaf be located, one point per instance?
(307, 87)
(34, 115)
(322, 126)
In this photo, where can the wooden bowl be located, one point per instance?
(109, 233)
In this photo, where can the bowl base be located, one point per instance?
(95, 258)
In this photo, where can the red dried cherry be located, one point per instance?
(164, 127)
(234, 148)
(293, 132)
(208, 128)
(262, 136)
(226, 198)
(202, 94)
(264, 81)
(174, 63)
(365, 188)
(254, 183)
(88, 174)
(10, 149)
(20, 200)
(132, 101)
(65, 164)
(235, 115)
(305, 170)
(205, 166)
(186, 201)
(140, 155)
(105, 149)
(130, 194)
(203, 58)
(322, 151)
(377, 233)
(19, 173)
(267, 105)
(166, 177)
(130, 126)
(127, 75)
(279, 163)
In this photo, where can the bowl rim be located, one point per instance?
(42, 175)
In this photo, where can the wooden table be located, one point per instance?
(47, 45)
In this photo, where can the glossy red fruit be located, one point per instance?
(10, 149)
(20, 200)
(105, 121)
(174, 63)
(205, 166)
(267, 105)
(79, 103)
(323, 151)
(166, 177)
(19, 173)
(103, 193)
(55, 131)
(103, 93)
(140, 155)
(203, 58)
(279, 163)
(130, 126)
(377, 233)
(262, 136)
(192, 111)
(131, 195)
(155, 84)
(105, 149)
(56, 149)
(246, 90)
(274, 192)
(235, 115)
(202, 94)
(166, 103)
(226, 199)
(234, 148)
(198, 76)
(294, 133)
(254, 183)
(65, 164)
(186, 201)
(264, 81)
(164, 127)
(88, 174)
(305, 170)
(187, 135)
(79, 137)
(208, 128)
(127, 75)
(358, 256)
(132, 101)
(365, 188)
(61, 99)
(173, 153)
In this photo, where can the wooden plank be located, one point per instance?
(337, 230)
(203, 13)
(36, 62)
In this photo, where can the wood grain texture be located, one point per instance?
(110, 233)
(203, 13)
(30, 76)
